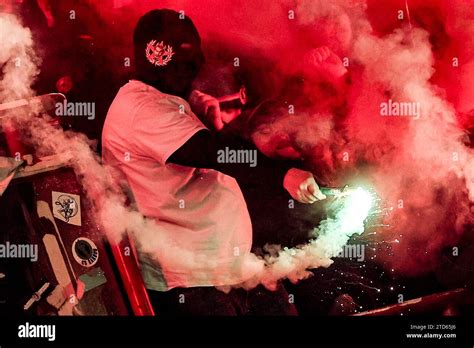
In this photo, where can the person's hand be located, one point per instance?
(325, 63)
(302, 187)
(207, 108)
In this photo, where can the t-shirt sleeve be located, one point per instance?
(159, 129)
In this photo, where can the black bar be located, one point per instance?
(87, 331)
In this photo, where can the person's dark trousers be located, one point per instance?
(210, 301)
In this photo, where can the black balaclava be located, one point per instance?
(168, 52)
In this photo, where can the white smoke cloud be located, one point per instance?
(19, 63)
(422, 161)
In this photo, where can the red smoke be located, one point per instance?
(406, 51)
(362, 145)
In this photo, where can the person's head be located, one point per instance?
(168, 52)
(268, 129)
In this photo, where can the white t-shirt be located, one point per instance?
(201, 210)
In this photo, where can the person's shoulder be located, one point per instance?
(139, 96)
(135, 89)
(175, 102)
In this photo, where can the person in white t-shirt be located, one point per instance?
(168, 159)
